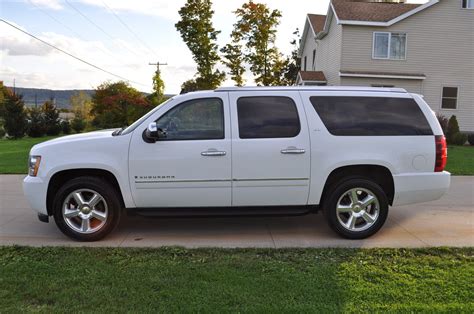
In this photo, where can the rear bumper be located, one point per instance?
(411, 188)
(35, 190)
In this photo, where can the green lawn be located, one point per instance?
(460, 160)
(14, 156)
(244, 280)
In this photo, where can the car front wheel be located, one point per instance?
(86, 208)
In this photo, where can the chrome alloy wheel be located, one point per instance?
(85, 211)
(357, 209)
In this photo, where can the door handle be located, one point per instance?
(293, 150)
(213, 153)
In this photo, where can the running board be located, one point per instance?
(224, 211)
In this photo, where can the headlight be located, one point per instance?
(33, 165)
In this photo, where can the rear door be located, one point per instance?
(270, 149)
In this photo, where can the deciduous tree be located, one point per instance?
(200, 36)
(117, 105)
(256, 29)
(234, 59)
(81, 102)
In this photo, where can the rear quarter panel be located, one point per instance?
(399, 154)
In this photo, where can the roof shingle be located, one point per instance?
(354, 10)
(317, 22)
(314, 76)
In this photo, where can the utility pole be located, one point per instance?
(157, 65)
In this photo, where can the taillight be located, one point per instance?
(441, 153)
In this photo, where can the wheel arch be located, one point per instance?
(377, 173)
(61, 177)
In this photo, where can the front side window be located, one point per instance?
(371, 116)
(389, 46)
(449, 98)
(468, 4)
(197, 119)
(267, 117)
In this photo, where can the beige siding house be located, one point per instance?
(424, 48)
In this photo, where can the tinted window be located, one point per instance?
(198, 119)
(267, 117)
(371, 116)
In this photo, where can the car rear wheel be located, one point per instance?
(356, 208)
(86, 208)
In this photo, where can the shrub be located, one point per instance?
(459, 139)
(470, 138)
(51, 118)
(443, 121)
(453, 130)
(15, 116)
(66, 127)
(36, 127)
(78, 124)
(2, 132)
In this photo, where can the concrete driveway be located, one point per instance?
(446, 222)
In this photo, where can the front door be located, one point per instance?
(191, 165)
(270, 149)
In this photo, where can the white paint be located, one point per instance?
(253, 172)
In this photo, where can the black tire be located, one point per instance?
(338, 190)
(110, 197)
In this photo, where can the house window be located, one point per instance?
(314, 60)
(449, 98)
(305, 62)
(389, 46)
(468, 4)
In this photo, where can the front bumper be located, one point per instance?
(411, 188)
(35, 190)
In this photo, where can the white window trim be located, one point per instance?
(389, 46)
(457, 98)
(467, 6)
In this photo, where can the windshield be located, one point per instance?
(135, 124)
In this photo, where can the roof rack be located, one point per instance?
(311, 88)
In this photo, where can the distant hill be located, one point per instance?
(40, 95)
(61, 97)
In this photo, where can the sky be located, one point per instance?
(143, 33)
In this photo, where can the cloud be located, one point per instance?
(50, 4)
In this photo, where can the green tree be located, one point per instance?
(36, 126)
(78, 124)
(51, 118)
(117, 105)
(15, 116)
(292, 63)
(81, 102)
(66, 127)
(234, 59)
(256, 28)
(4, 91)
(200, 36)
(158, 95)
(453, 134)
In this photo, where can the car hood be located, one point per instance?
(76, 137)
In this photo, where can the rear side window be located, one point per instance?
(267, 117)
(374, 116)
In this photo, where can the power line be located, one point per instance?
(70, 29)
(71, 55)
(129, 29)
(97, 26)
(89, 20)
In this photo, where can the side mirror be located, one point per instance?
(152, 133)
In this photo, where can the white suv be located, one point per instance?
(351, 152)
